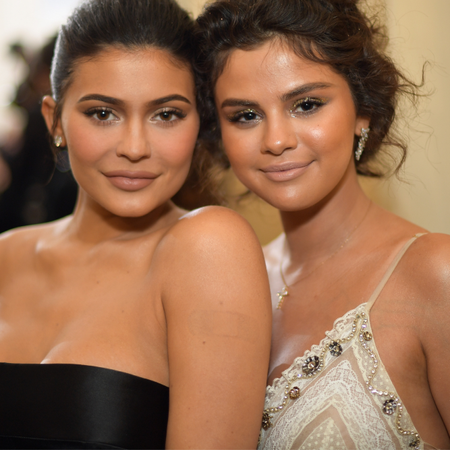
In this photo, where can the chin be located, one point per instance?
(131, 211)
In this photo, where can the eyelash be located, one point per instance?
(94, 111)
(174, 112)
(236, 117)
(314, 102)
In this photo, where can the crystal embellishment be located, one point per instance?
(266, 423)
(311, 365)
(294, 393)
(367, 335)
(389, 407)
(335, 348)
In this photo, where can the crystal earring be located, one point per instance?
(362, 143)
(58, 141)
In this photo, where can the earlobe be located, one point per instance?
(361, 122)
(48, 111)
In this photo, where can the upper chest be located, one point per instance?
(98, 306)
(308, 314)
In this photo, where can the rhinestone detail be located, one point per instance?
(294, 393)
(335, 348)
(313, 366)
(367, 335)
(266, 423)
(392, 403)
(389, 407)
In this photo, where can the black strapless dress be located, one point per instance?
(76, 406)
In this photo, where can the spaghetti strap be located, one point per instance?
(389, 271)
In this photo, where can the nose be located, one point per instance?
(134, 144)
(279, 135)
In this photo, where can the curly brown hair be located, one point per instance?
(332, 32)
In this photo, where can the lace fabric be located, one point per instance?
(336, 408)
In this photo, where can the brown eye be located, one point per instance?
(103, 115)
(307, 105)
(244, 117)
(250, 115)
(166, 116)
(169, 115)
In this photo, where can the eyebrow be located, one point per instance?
(303, 90)
(238, 102)
(116, 101)
(284, 98)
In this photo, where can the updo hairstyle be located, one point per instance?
(332, 32)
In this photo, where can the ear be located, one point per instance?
(48, 111)
(361, 122)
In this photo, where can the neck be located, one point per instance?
(316, 232)
(92, 224)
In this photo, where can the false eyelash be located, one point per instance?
(317, 102)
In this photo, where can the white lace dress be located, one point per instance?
(339, 396)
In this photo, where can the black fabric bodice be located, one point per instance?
(77, 406)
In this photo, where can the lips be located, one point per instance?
(128, 180)
(285, 171)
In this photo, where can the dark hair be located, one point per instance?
(332, 32)
(131, 25)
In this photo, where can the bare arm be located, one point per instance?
(435, 324)
(217, 305)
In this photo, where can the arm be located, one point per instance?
(217, 305)
(434, 331)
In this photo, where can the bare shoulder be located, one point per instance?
(425, 272)
(429, 255)
(211, 249)
(19, 244)
(17, 240)
(213, 227)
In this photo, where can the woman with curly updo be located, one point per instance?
(131, 323)
(305, 100)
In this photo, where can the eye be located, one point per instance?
(246, 116)
(168, 115)
(101, 114)
(307, 105)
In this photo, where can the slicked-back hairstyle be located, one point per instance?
(131, 25)
(127, 24)
(331, 32)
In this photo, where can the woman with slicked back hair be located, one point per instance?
(302, 99)
(131, 323)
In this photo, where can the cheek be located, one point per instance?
(177, 148)
(332, 140)
(83, 145)
(241, 146)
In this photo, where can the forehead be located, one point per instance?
(273, 67)
(116, 69)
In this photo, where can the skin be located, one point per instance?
(288, 127)
(130, 282)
